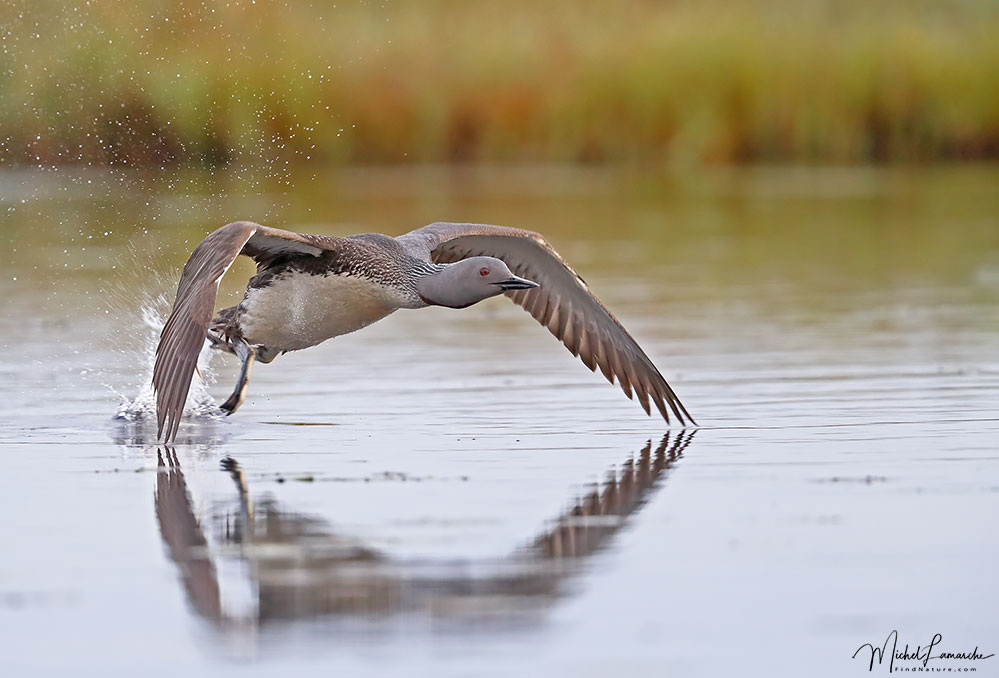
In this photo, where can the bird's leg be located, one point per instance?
(244, 521)
(247, 354)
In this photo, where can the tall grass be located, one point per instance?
(840, 81)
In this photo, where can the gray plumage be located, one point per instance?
(289, 305)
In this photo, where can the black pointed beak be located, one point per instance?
(515, 283)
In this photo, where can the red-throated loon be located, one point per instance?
(310, 288)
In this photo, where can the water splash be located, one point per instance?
(200, 403)
(135, 416)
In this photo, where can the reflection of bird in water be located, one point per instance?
(310, 288)
(184, 538)
(299, 568)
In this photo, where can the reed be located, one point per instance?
(148, 83)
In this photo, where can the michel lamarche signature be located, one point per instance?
(918, 659)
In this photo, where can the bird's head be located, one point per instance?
(469, 281)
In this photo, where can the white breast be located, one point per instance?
(298, 310)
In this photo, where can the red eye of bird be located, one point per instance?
(483, 271)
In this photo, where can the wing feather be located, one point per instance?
(184, 332)
(564, 304)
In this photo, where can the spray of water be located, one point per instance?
(138, 340)
(200, 404)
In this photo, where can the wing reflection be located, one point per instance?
(295, 566)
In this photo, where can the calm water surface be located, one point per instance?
(451, 493)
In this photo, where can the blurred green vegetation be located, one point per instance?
(154, 83)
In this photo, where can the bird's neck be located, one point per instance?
(440, 286)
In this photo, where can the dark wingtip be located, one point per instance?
(685, 412)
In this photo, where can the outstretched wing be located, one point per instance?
(564, 304)
(184, 332)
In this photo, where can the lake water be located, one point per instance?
(451, 493)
